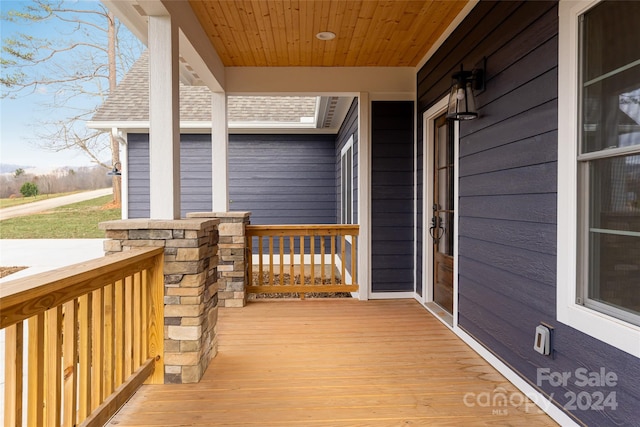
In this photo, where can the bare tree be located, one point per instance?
(82, 62)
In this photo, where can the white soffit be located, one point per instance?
(318, 80)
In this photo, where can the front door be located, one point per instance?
(441, 228)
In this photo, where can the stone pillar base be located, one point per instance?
(190, 285)
(233, 264)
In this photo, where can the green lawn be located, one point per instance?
(7, 203)
(76, 221)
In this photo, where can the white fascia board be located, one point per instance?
(318, 80)
(108, 125)
(271, 125)
(144, 124)
(205, 127)
(195, 46)
(283, 131)
(445, 35)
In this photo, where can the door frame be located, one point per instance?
(428, 119)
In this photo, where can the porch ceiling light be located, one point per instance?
(462, 103)
(326, 35)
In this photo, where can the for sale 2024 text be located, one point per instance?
(593, 397)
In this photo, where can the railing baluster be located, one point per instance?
(109, 367)
(52, 367)
(250, 260)
(333, 259)
(281, 243)
(137, 335)
(70, 352)
(85, 314)
(271, 260)
(322, 263)
(118, 346)
(128, 329)
(312, 250)
(343, 249)
(260, 267)
(292, 255)
(155, 330)
(13, 370)
(144, 314)
(97, 355)
(354, 263)
(35, 386)
(302, 251)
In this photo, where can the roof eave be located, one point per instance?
(142, 126)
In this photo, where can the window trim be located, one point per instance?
(613, 331)
(343, 153)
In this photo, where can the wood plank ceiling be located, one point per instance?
(262, 33)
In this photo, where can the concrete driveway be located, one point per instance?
(46, 254)
(44, 205)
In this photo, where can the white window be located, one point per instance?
(346, 183)
(599, 171)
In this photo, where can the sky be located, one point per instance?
(19, 118)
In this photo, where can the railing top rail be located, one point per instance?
(303, 229)
(26, 297)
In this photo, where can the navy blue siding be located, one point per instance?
(507, 205)
(392, 203)
(138, 175)
(195, 174)
(349, 127)
(283, 179)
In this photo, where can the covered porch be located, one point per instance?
(338, 362)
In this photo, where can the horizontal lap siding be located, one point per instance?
(279, 178)
(507, 200)
(283, 179)
(195, 174)
(138, 175)
(349, 127)
(392, 206)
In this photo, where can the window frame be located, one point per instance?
(346, 183)
(611, 330)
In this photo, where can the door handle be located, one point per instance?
(436, 227)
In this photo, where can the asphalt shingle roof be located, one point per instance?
(130, 102)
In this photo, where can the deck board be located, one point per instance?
(336, 362)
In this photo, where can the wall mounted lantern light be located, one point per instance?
(462, 103)
(116, 171)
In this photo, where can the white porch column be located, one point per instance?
(219, 152)
(164, 119)
(364, 195)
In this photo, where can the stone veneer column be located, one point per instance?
(190, 286)
(233, 265)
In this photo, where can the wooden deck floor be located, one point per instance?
(335, 363)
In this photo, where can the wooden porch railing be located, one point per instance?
(302, 258)
(95, 334)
